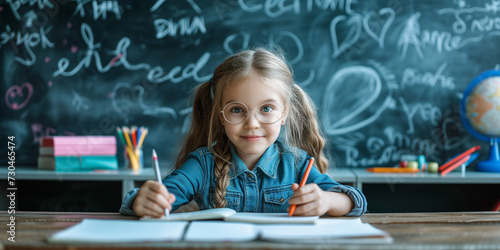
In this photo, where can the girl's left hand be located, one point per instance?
(309, 199)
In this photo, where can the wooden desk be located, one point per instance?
(471, 230)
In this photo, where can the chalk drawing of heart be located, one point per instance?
(17, 96)
(349, 99)
(354, 24)
(385, 26)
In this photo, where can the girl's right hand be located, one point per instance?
(152, 200)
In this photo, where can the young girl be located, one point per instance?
(232, 156)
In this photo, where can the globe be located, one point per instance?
(480, 112)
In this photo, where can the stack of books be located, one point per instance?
(77, 153)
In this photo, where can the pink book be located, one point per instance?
(78, 145)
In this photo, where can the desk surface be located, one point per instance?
(469, 230)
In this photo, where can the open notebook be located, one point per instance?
(325, 231)
(228, 214)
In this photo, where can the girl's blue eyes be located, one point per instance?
(267, 109)
(236, 110)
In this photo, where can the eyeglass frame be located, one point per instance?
(248, 111)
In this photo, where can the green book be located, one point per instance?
(78, 163)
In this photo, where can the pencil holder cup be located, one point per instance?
(134, 162)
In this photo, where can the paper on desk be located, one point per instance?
(228, 214)
(120, 231)
(326, 231)
(271, 218)
(220, 231)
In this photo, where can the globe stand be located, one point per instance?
(485, 81)
(492, 164)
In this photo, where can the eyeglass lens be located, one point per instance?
(237, 112)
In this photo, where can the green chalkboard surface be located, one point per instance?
(387, 76)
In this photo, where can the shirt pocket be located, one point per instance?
(276, 199)
(233, 199)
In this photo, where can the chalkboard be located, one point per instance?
(387, 76)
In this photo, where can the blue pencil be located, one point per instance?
(139, 132)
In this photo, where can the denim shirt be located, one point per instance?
(267, 188)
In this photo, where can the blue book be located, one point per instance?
(78, 163)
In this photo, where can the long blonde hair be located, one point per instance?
(301, 130)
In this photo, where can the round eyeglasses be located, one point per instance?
(238, 112)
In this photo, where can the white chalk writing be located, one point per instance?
(16, 5)
(157, 74)
(182, 27)
(411, 76)
(428, 112)
(92, 52)
(160, 2)
(276, 8)
(445, 40)
(126, 98)
(28, 40)
(100, 9)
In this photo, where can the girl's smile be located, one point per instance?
(252, 137)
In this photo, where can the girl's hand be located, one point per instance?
(152, 200)
(313, 201)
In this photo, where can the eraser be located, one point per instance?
(403, 164)
(421, 162)
(412, 164)
(433, 167)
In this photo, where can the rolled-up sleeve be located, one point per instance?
(128, 201)
(356, 196)
(326, 183)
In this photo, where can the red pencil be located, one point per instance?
(302, 183)
(455, 165)
(459, 157)
(134, 136)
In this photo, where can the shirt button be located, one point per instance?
(281, 200)
(249, 175)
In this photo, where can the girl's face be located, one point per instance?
(252, 136)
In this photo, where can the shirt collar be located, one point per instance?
(268, 162)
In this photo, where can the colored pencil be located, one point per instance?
(133, 157)
(120, 135)
(133, 132)
(144, 132)
(455, 165)
(393, 170)
(139, 133)
(126, 132)
(302, 183)
(459, 157)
